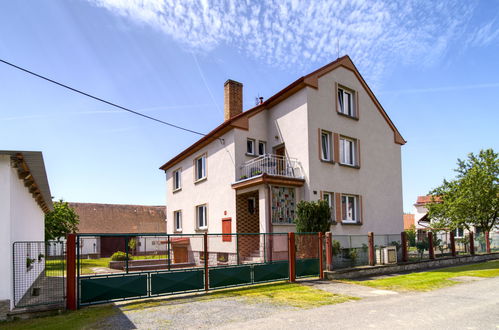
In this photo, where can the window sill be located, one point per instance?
(177, 190)
(200, 180)
(327, 161)
(204, 229)
(349, 223)
(251, 155)
(177, 231)
(283, 224)
(348, 165)
(348, 116)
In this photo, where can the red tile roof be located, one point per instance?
(422, 200)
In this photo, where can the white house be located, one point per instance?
(24, 200)
(325, 136)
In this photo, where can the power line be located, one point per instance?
(100, 99)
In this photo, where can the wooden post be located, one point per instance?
(431, 249)
(206, 257)
(472, 243)
(71, 297)
(403, 239)
(370, 238)
(329, 251)
(452, 243)
(321, 255)
(291, 257)
(487, 241)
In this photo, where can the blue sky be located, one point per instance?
(434, 66)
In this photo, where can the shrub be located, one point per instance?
(120, 256)
(411, 235)
(313, 217)
(336, 247)
(353, 255)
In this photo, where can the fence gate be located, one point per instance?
(38, 273)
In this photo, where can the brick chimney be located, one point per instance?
(233, 99)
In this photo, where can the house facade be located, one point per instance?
(325, 136)
(24, 200)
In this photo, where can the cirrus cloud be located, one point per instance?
(296, 34)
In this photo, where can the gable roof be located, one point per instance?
(119, 218)
(31, 169)
(310, 80)
(423, 200)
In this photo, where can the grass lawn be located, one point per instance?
(434, 279)
(86, 318)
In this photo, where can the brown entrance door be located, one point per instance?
(179, 254)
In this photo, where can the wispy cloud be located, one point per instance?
(441, 89)
(294, 34)
(485, 34)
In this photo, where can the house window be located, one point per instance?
(201, 217)
(200, 167)
(459, 233)
(177, 218)
(328, 197)
(177, 179)
(348, 148)
(345, 102)
(251, 205)
(262, 147)
(250, 147)
(283, 205)
(349, 208)
(326, 146)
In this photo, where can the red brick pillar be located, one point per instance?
(329, 251)
(206, 261)
(291, 257)
(487, 241)
(370, 239)
(452, 243)
(71, 297)
(431, 249)
(321, 256)
(472, 243)
(403, 239)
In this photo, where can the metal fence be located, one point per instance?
(349, 251)
(38, 273)
(121, 267)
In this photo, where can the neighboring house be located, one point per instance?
(325, 136)
(409, 221)
(119, 219)
(24, 200)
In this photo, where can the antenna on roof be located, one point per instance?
(258, 100)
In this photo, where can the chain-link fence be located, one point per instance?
(349, 251)
(39, 273)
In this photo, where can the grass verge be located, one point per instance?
(86, 318)
(434, 279)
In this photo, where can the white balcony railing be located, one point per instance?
(271, 165)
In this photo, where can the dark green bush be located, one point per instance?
(120, 256)
(313, 217)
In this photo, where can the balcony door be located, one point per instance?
(280, 151)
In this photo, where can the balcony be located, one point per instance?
(271, 165)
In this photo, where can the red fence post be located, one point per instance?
(329, 251)
(487, 241)
(431, 249)
(71, 272)
(291, 257)
(403, 239)
(370, 238)
(206, 257)
(452, 243)
(472, 243)
(321, 256)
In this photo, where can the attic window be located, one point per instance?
(346, 103)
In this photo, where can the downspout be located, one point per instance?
(269, 222)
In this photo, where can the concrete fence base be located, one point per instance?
(407, 266)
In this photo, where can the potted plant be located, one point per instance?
(29, 263)
(40, 257)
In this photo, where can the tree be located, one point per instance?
(61, 221)
(472, 198)
(411, 235)
(313, 217)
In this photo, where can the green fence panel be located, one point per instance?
(307, 267)
(271, 271)
(177, 281)
(227, 276)
(109, 288)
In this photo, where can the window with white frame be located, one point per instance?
(262, 147)
(346, 102)
(250, 146)
(200, 167)
(177, 219)
(349, 208)
(177, 179)
(326, 146)
(201, 219)
(459, 233)
(329, 198)
(348, 149)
